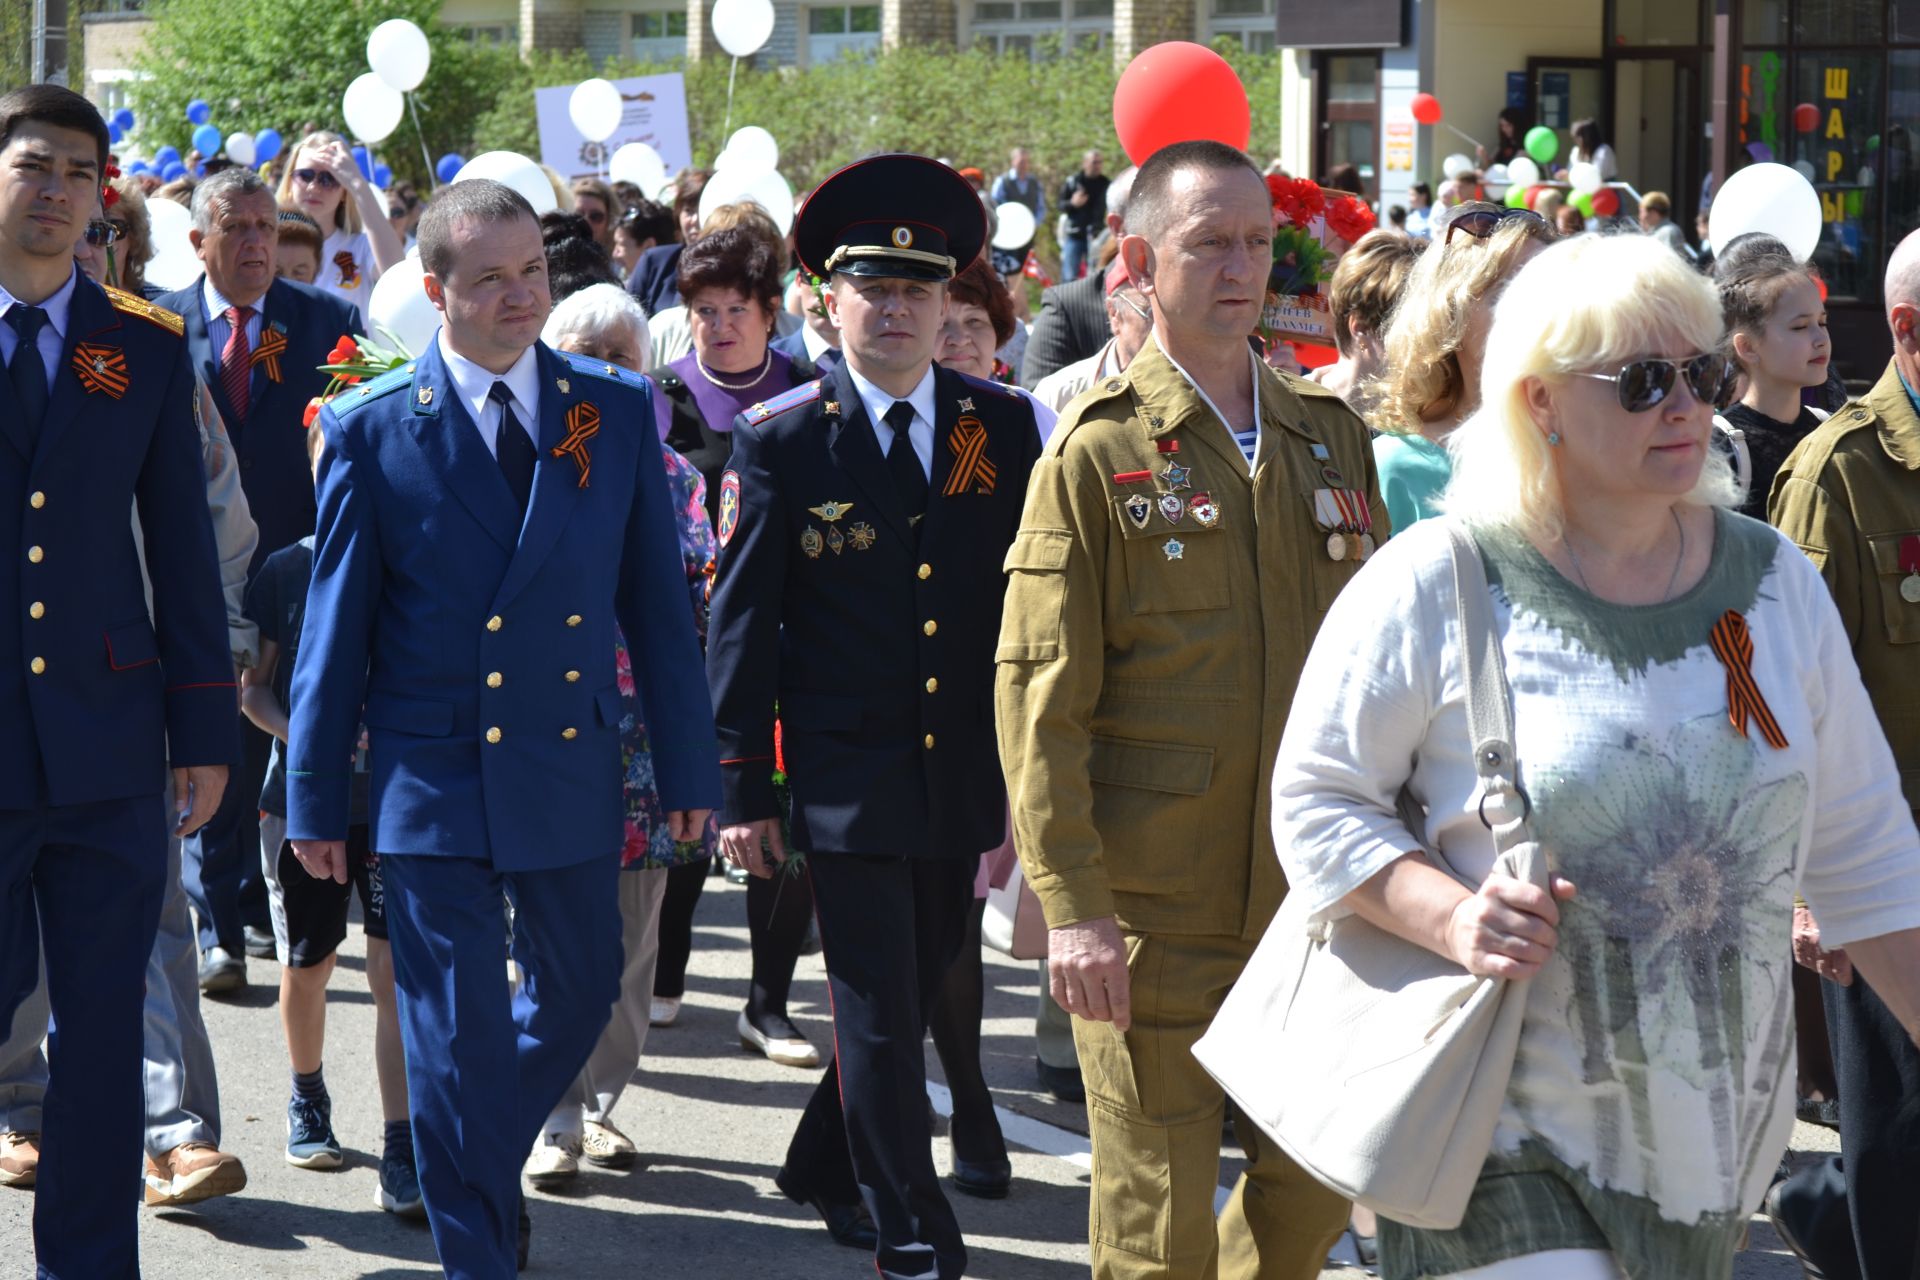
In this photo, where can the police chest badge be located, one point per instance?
(729, 506)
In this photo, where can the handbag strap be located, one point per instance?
(1489, 700)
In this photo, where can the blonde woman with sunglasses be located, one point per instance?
(1696, 745)
(322, 181)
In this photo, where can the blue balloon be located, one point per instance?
(124, 118)
(198, 111)
(115, 134)
(174, 171)
(207, 140)
(135, 168)
(382, 176)
(266, 145)
(166, 156)
(364, 158)
(449, 165)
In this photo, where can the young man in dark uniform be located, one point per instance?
(863, 521)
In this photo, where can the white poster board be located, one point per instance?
(653, 111)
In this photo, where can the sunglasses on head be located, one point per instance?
(316, 177)
(101, 233)
(1479, 219)
(1642, 384)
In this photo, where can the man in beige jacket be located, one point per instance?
(1187, 528)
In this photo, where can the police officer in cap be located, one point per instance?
(863, 521)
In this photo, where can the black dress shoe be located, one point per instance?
(987, 1179)
(847, 1224)
(1063, 1083)
(525, 1241)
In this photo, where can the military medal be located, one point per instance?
(1176, 476)
(1366, 545)
(1201, 507)
(103, 370)
(1910, 561)
(861, 535)
(1173, 507)
(1337, 545)
(1165, 446)
(1131, 477)
(831, 408)
(1331, 474)
(1175, 549)
(1139, 510)
(966, 404)
(831, 511)
(835, 542)
(811, 543)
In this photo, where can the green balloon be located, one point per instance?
(1543, 144)
(1517, 198)
(1583, 202)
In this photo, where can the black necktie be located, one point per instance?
(514, 448)
(909, 481)
(27, 369)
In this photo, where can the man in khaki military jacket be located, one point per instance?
(1164, 591)
(1849, 495)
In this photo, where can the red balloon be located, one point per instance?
(1535, 192)
(1806, 117)
(1426, 108)
(1606, 202)
(1179, 92)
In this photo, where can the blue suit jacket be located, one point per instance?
(656, 278)
(118, 687)
(269, 441)
(794, 347)
(874, 639)
(481, 650)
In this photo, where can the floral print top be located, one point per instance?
(647, 844)
(1651, 1094)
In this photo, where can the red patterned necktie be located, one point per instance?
(236, 362)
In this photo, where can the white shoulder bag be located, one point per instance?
(1378, 1065)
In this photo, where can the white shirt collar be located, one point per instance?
(58, 305)
(472, 383)
(815, 345)
(877, 402)
(217, 302)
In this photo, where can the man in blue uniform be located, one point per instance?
(863, 521)
(262, 371)
(96, 420)
(487, 515)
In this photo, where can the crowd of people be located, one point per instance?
(688, 543)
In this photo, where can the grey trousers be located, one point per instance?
(611, 1066)
(183, 1095)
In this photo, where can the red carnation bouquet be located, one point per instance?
(1311, 227)
(354, 359)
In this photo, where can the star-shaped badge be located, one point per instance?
(832, 408)
(966, 404)
(1175, 549)
(1176, 476)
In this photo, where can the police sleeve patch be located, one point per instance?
(729, 506)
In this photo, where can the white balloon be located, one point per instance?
(640, 164)
(1804, 168)
(1585, 178)
(1013, 226)
(1496, 180)
(1455, 165)
(751, 148)
(399, 54)
(1522, 171)
(595, 109)
(400, 305)
(174, 264)
(742, 26)
(516, 171)
(372, 108)
(240, 149)
(768, 190)
(1770, 198)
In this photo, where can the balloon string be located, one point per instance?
(1469, 137)
(420, 133)
(726, 130)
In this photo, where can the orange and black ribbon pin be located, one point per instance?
(971, 466)
(1733, 645)
(583, 424)
(101, 369)
(273, 345)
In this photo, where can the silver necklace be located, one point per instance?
(754, 381)
(1672, 578)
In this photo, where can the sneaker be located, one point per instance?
(664, 1011)
(398, 1190)
(222, 972)
(259, 943)
(606, 1146)
(19, 1159)
(191, 1172)
(310, 1140)
(554, 1161)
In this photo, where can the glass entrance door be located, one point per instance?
(1658, 106)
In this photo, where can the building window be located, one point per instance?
(660, 35)
(1040, 28)
(1249, 23)
(112, 7)
(1348, 90)
(834, 31)
(490, 33)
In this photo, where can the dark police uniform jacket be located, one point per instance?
(873, 639)
(95, 692)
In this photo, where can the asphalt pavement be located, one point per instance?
(711, 1121)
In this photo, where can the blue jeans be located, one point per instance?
(1073, 255)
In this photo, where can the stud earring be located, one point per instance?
(1553, 439)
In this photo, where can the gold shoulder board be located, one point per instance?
(135, 305)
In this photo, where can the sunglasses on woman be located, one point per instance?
(1479, 219)
(316, 177)
(101, 233)
(1642, 384)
